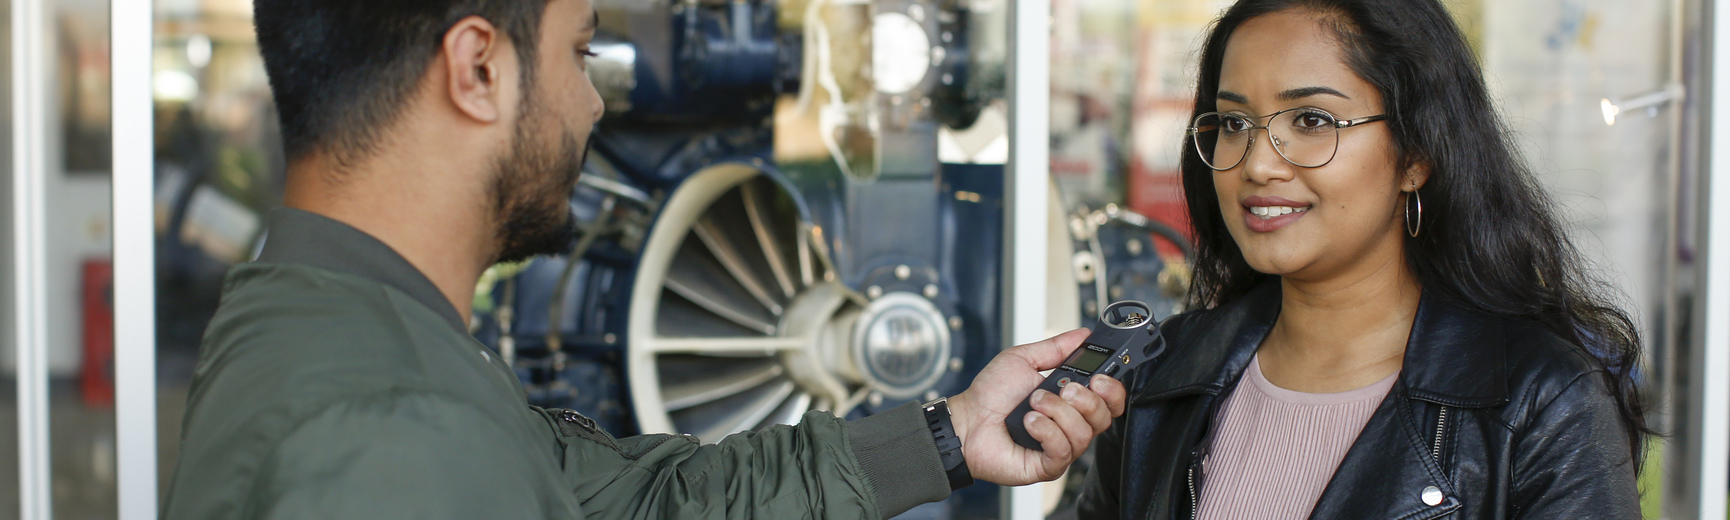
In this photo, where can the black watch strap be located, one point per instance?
(948, 444)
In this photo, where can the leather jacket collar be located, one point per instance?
(1447, 361)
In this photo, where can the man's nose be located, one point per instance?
(597, 101)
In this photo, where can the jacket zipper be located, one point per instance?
(1194, 501)
(1441, 427)
(1198, 457)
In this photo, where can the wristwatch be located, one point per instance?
(948, 444)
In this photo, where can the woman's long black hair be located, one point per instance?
(1491, 239)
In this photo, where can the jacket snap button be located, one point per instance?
(1432, 496)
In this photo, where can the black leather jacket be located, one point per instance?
(1501, 417)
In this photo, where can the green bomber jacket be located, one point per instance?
(335, 381)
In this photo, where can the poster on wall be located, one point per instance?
(83, 89)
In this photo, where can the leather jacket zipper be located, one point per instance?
(1198, 456)
(1199, 465)
(1194, 501)
(1441, 428)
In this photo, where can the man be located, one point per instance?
(427, 140)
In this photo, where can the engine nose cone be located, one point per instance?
(901, 344)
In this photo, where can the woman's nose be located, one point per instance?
(1263, 162)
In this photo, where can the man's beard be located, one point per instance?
(531, 220)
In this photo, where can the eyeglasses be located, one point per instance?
(1306, 137)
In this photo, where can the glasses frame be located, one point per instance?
(1194, 131)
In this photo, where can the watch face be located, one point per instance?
(900, 52)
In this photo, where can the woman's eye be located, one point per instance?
(1234, 125)
(1312, 120)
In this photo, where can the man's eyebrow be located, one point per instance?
(1233, 97)
(1300, 93)
(595, 19)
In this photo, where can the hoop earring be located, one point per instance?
(1417, 226)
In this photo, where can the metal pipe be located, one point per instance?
(556, 308)
(1115, 213)
(613, 187)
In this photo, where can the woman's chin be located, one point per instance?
(1290, 264)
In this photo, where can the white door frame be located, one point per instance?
(30, 53)
(132, 40)
(1028, 191)
(1714, 439)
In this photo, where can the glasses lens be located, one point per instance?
(1307, 138)
(1222, 140)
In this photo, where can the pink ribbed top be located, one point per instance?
(1275, 449)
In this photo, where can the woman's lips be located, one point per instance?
(1269, 214)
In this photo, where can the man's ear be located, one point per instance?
(475, 56)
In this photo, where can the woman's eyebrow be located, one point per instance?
(1300, 93)
(1289, 95)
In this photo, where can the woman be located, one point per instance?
(1396, 324)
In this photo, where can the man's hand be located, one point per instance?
(1064, 425)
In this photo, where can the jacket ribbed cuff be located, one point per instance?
(900, 459)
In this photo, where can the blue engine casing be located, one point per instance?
(703, 88)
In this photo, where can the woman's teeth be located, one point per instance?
(1267, 212)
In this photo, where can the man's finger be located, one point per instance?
(1092, 408)
(1075, 427)
(1057, 452)
(1111, 391)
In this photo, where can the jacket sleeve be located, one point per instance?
(403, 455)
(1098, 500)
(823, 467)
(1573, 459)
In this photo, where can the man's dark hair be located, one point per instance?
(341, 70)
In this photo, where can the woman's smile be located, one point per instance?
(1269, 214)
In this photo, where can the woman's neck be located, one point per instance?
(1342, 333)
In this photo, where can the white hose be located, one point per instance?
(833, 114)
